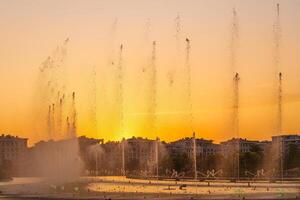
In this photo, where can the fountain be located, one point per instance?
(53, 125)
(120, 89)
(93, 101)
(51, 83)
(120, 101)
(236, 123)
(56, 160)
(49, 130)
(178, 37)
(123, 157)
(189, 84)
(68, 126)
(190, 103)
(234, 40)
(276, 60)
(60, 115)
(281, 146)
(60, 158)
(153, 88)
(73, 132)
(195, 156)
(233, 65)
(153, 106)
(157, 142)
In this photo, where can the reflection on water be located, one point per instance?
(102, 187)
(17, 181)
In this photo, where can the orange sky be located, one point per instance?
(32, 29)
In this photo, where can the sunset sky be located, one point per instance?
(32, 29)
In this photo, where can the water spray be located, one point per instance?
(53, 127)
(277, 39)
(276, 59)
(236, 103)
(147, 30)
(178, 29)
(74, 116)
(123, 157)
(51, 84)
(96, 159)
(189, 101)
(195, 156)
(279, 128)
(157, 142)
(93, 103)
(153, 89)
(59, 117)
(234, 39)
(233, 64)
(120, 83)
(153, 99)
(68, 132)
(58, 114)
(189, 84)
(49, 129)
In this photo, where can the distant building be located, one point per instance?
(141, 153)
(287, 139)
(111, 159)
(185, 145)
(243, 145)
(12, 150)
(281, 143)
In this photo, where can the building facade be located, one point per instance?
(242, 146)
(12, 151)
(186, 145)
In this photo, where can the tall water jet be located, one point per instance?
(236, 103)
(178, 29)
(49, 127)
(58, 160)
(147, 30)
(60, 116)
(53, 125)
(120, 102)
(189, 102)
(279, 128)
(153, 88)
(157, 142)
(153, 100)
(194, 156)
(235, 112)
(73, 131)
(189, 85)
(276, 60)
(178, 36)
(57, 114)
(277, 39)
(93, 101)
(234, 40)
(123, 157)
(68, 127)
(120, 80)
(50, 83)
